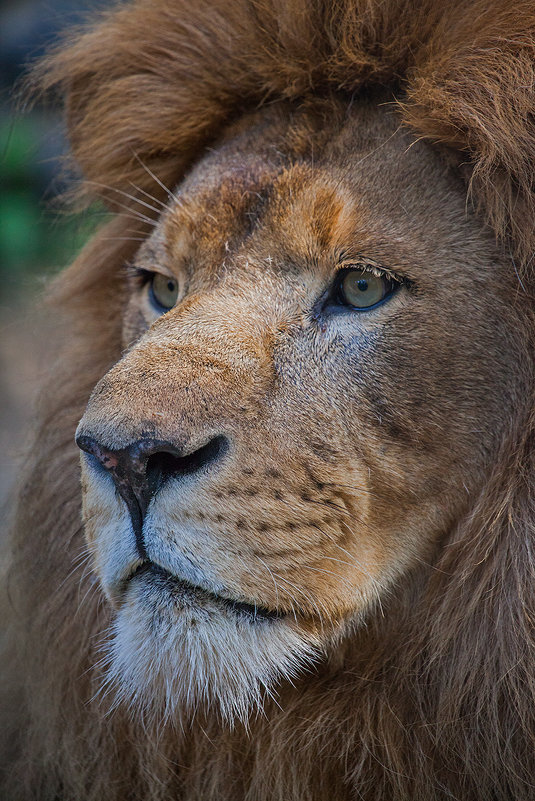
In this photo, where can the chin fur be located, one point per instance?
(167, 659)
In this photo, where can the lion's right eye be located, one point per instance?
(362, 289)
(163, 291)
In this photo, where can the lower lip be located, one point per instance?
(255, 614)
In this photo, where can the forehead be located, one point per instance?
(326, 181)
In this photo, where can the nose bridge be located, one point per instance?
(216, 346)
(200, 370)
(212, 335)
(234, 322)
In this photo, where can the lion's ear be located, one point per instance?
(473, 90)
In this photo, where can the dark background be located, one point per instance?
(38, 236)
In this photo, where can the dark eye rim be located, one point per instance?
(337, 295)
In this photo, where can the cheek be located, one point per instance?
(422, 405)
(434, 387)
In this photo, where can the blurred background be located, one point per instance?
(37, 236)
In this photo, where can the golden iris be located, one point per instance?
(363, 289)
(164, 291)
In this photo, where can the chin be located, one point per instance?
(175, 650)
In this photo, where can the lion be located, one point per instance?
(300, 561)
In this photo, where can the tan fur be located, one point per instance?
(378, 485)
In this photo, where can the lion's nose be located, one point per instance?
(143, 467)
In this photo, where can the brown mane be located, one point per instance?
(443, 684)
(464, 74)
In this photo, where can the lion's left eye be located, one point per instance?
(363, 289)
(163, 291)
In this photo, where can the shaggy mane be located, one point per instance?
(444, 684)
(149, 85)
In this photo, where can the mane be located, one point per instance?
(151, 83)
(443, 684)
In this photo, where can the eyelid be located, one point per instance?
(367, 266)
(135, 272)
(142, 275)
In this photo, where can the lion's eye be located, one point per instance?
(163, 291)
(363, 289)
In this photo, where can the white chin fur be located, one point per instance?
(166, 659)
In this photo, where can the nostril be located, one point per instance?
(153, 461)
(140, 470)
(164, 464)
(106, 457)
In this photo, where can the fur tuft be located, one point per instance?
(168, 674)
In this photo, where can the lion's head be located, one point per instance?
(313, 388)
(306, 458)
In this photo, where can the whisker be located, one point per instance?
(306, 596)
(357, 563)
(272, 578)
(330, 505)
(135, 216)
(123, 239)
(84, 556)
(329, 573)
(341, 561)
(154, 177)
(91, 590)
(125, 194)
(148, 194)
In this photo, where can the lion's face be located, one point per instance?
(319, 365)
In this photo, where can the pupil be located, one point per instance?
(170, 286)
(362, 284)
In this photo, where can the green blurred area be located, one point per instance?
(36, 236)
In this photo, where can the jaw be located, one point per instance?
(175, 650)
(187, 641)
(177, 646)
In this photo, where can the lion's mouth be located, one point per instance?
(178, 586)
